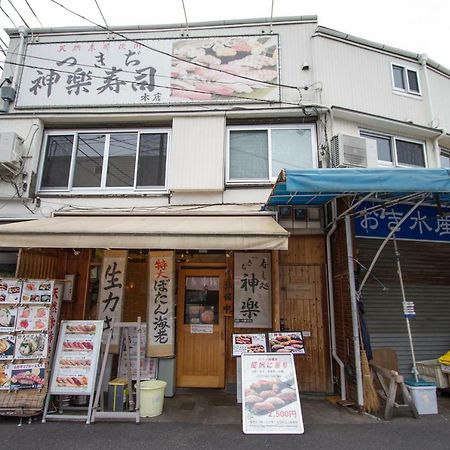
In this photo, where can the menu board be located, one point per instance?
(7, 345)
(75, 365)
(148, 365)
(37, 291)
(271, 404)
(10, 290)
(31, 346)
(33, 318)
(288, 342)
(5, 376)
(27, 376)
(8, 315)
(249, 343)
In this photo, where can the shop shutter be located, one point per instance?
(426, 273)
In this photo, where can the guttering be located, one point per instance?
(266, 21)
(422, 58)
(331, 306)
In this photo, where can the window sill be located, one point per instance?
(134, 194)
(407, 94)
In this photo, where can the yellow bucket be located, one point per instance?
(152, 397)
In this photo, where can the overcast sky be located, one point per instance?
(418, 26)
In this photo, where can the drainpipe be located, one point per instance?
(20, 56)
(355, 323)
(423, 62)
(331, 306)
(437, 149)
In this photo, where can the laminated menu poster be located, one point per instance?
(8, 315)
(271, 404)
(27, 376)
(33, 318)
(5, 376)
(248, 343)
(37, 291)
(7, 345)
(75, 363)
(10, 290)
(31, 346)
(287, 342)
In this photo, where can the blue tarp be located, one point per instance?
(319, 186)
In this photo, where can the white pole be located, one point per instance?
(355, 322)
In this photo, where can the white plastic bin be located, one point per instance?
(152, 397)
(424, 397)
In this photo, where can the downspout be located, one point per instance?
(354, 307)
(20, 56)
(437, 149)
(331, 306)
(423, 62)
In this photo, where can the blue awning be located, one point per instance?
(319, 186)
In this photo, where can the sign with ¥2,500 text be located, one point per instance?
(270, 399)
(426, 223)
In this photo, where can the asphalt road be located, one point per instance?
(416, 434)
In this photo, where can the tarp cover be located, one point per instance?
(154, 232)
(318, 186)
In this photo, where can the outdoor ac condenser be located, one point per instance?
(10, 151)
(353, 151)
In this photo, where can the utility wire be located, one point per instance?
(6, 14)
(3, 51)
(3, 42)
(34, 14)
(18, 13)
(103, 17)
(203, 66)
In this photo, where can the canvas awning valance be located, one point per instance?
(155, 232)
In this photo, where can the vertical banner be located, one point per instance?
(112, 283)
(252, 290)
(160, 321)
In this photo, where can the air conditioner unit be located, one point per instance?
(353, 151)
(10, 152)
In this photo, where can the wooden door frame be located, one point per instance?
(203, 270)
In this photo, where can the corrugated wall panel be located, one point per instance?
(427, 284)
(196, 160)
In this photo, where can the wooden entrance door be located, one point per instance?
(201, 328)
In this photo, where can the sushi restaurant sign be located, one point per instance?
(150, 71)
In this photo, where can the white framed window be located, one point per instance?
(104, 160)
(397, 151)
(444, 158)
(257, 154)
(405, 79)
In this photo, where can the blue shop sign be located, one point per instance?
(424, 224)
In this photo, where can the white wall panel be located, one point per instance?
(196, 161)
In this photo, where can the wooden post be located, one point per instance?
(276, 290)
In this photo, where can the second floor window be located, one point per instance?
(259, 153)
(405, 79)
(397, 151)
(104, 160)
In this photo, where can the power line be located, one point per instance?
(18, 13)
(260, 100)
(34, 14)
(6, 14)
(101, 13)
(203, 66)
(3, 42)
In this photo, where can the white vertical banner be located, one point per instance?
(252, 290)
(161, 320)
(111, 293)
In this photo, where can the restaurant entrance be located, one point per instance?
(201, 328)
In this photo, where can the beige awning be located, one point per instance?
(154, 232)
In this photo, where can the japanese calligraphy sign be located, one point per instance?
(160, 322)
(75, 367)
(120, 72)
(252, 290)
(110, 295)
(426, 223)
(271, 403)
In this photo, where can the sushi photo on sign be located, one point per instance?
(27, 376)
(291, 342)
